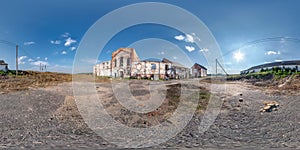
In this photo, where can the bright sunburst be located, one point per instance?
(238, 56)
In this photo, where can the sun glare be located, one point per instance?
(238, 56)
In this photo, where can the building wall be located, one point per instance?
(120, 66)
(148, 69)
(122, 61)
(3, 68)
(198, 71)
(103, 69)
(203, 72)
(181, 73)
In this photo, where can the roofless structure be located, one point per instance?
(125, 63)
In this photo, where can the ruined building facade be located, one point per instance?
(125, 63)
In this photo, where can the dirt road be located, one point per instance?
(48, 118)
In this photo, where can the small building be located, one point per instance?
(3, 66)
(198, 71)
(292, 64)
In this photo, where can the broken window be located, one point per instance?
(115, 62)
(128, 61)
(121, 62)
(153, 66)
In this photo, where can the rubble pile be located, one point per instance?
(270, 106)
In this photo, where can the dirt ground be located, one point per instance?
(48, 118)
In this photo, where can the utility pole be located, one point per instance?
(216, 67)
(159, 70)
(217, 63)
(17, 61)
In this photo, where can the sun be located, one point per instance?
(238, 56)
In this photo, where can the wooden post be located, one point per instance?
(158, 70)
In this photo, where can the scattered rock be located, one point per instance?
(241, 99)
(270, 106)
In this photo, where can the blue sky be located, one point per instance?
(49, 32)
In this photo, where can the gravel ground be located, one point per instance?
(47, 118)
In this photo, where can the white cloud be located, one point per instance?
(30, 60)
(190, 48)
(174, 57)
(189, 38)
(161, 53)
(69, 41)
(179, 37)
(56, 42)
(63, 52)
(38, 57)
(46, 58)
(203, 50)
(278, 60)
(38, 63)
(29, 43)
(21, 59)
(66, 34)
(73, 48)
(273, 53)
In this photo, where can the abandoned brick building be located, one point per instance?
(198, 71)
(125, 63)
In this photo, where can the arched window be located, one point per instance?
(115, 62)
(121, 62)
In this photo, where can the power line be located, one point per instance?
(18, 48)
(8, 43)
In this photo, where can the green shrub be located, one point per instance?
(3, 72)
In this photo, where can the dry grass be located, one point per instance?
(32, 79)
